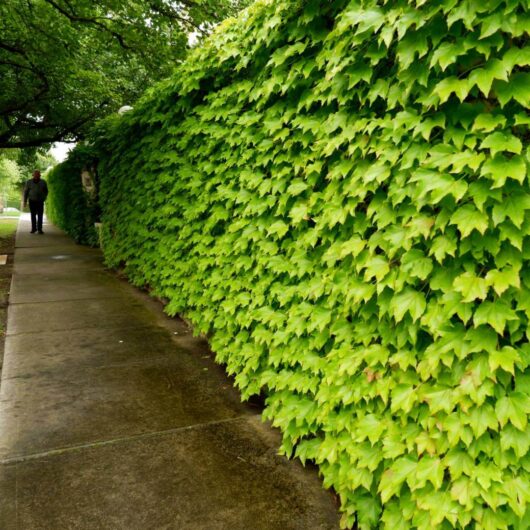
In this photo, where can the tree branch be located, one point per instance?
(7, 142)
(173, 15)
(45, 87)
(16, 65)
(12, 49)
(93, 20)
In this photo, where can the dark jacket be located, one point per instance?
(35, 190)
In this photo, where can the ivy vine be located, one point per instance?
(337, 192)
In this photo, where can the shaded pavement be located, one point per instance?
(112, 416)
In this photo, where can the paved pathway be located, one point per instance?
(112, 416)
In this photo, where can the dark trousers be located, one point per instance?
(37, 210)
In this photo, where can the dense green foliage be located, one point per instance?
(16, 166)
(64, 63)
(10, 177)
(69, 206)
(338, 193)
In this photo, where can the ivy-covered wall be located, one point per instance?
(338, 193)
(69, 205)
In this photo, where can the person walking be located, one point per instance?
(36, 191)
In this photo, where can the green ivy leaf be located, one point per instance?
(482, 418)
(296, 187)
(499, 168)
(471, 287)
(352, 247)
(522, 119)
(490, 25)
(428, 469)
(501, 280)
(488, 122)
(467, 218)
(512, 438)
(499, 141)
(484, 77)
(517, 57)
(515, 409)
(451, 85)
(416, 264)
(447, 53)
(282, 54)
(514, 208)
(516, 88)
(505, 359)
(365, 19)
(518, 494)
(464, 491)
(438, 185)
(279, 228)
(459, 462)
(299, 212)
(393, 478)
(408, 301)
(443, 246)
(495, 314)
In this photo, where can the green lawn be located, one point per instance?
(7, 227)
(10, 214)
(7, 243)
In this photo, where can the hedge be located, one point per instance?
(68, 205)
(337, 193)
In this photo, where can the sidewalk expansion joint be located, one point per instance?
(115, 441)
(82, 328)
(61, 245)
(62, 300)
(164, 357)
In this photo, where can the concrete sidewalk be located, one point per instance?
(112, 416)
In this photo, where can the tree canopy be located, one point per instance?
(17, 165)
(66, 63)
